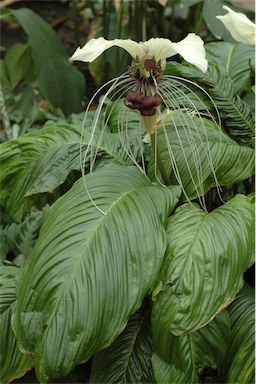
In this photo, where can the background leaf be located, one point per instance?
(240, 363)
(58, 81)
(184, 357)
(89, 272)
(204, 264)
(128, 358)
(13, 363)
(19, 64)
(211, 9)
(21, 237)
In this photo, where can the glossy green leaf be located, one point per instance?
(89, 272)
(204, 264)
(233, 60)
(165, 373)
(198, 145)
(240, 363)
(41, 160)
(184, 357)
(13, 363)
(230, 72)
(58, 81)
(128, 358)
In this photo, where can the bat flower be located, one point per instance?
(146, 89)
(240, 27)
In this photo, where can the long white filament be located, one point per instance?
(173, 91)
(83, 156)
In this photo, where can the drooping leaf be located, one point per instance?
(240, 363)
(59, 82)
(204, 264)
(41, 160)
(165, 373)
(184, 357)
(198, 145)
(89, 272)
(128, 358)
(13, 363)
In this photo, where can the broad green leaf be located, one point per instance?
(184, 357)
(240, 362)
(237, 115)
(89, 272)
(165, 373)
(41, 160)
(58, 81)
(233, 60)
(211, 9)
(230, 72)
(13, 363)
(128, 358)
(204, 264)
(19, 63)
(197, 146)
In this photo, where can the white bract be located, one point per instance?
(240, 27)
(146, 90)
(191, 49)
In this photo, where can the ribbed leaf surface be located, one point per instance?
(128, 358)
(240, 363)
(88, 272)
(230, 73)
(238, 115)
(234, 61)
(204, 264)
(13, 363)
(41, 160)
(189, 354)
(165, 373)
(198, 146)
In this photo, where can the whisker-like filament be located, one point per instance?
(195, 156)
(89, 149)
(175, 98)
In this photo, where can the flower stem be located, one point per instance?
(159, 160)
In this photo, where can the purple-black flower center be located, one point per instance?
(145, 104)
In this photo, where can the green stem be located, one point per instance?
(159, 160)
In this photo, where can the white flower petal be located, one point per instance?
(95, 47)
(160, 48)
(192, 50)
(240, 27)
